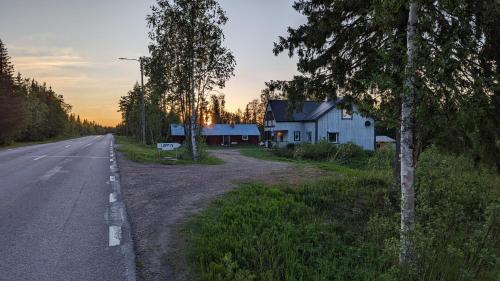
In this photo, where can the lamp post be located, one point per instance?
(143, 109)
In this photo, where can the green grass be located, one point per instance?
(138, 152)
(346, 167)
(347, 227)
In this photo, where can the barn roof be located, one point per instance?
(308, 111)
(231, 130)
(220, 130)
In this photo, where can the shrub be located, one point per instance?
(283, 152)
(347, 151)
(382, 159)
(320, 151)
(458, 211)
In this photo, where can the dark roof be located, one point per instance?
(308, 111)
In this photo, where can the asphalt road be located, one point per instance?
(56, 215)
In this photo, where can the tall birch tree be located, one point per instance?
(407, 134)
(188, 50)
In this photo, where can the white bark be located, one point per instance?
(407, 253)
(194, 148)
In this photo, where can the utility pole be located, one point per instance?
(143, 106)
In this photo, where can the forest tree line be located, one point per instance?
(32, 111)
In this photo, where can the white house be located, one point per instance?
(316, 121)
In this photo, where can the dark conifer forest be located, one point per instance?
(33, 111)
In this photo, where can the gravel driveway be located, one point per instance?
(160, 198)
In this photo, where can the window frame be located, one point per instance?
(244, 137)
(296, 135)
(345, 115)
(336, 137)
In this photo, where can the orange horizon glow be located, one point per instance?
(80, 60)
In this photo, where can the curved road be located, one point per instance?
(61, 216)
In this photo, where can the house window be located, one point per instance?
(296, 136)
(333, 137)
(346, 114)
(309, 136)
(244, 137)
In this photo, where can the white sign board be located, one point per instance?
(168, 146)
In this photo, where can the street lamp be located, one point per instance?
(143, 110)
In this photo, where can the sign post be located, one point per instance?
(167, 147)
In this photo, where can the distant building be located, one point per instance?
(384, 141)
(317, 121)
(221, 134)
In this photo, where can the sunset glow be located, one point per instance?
(78, 58)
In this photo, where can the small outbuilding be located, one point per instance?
(221, 134)
(385, 141)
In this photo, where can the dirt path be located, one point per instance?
(160, 198)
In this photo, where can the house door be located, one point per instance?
(226, 140)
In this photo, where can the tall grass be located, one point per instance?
(345, 227)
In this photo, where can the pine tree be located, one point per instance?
(12, 115)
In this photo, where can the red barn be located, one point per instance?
(226, 134)
(221, 134)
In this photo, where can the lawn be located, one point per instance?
(345, 226)
(138, 152)
(345, 167)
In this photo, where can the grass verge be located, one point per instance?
(347, 227)
(138, 152)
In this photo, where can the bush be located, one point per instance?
(458, 211)
(320, 151)
(348, 151)
(284, 152)
(382, 159)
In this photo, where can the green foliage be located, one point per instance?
(321, 151)
(136, 151)
(358, 48)
(382, 159)
(346, 226)
(458, 211)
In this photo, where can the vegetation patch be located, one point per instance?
(139, 152)
(346, 227)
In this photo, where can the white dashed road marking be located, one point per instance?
(51, 172)
(111, 178)
(67, 145)
(112, 197)
(115, 235)
(40, 157)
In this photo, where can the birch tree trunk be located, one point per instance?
(194, 148)
(192, 100)
(407, 253)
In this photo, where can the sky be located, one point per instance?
(73, 46)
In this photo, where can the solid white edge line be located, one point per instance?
(115, 235)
